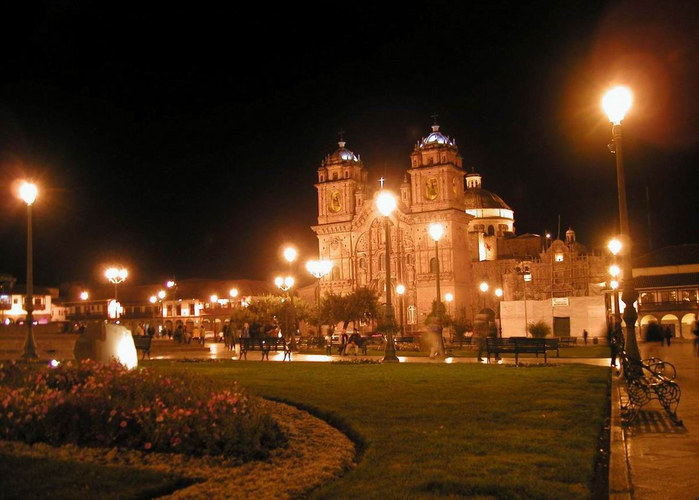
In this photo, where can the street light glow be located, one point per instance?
(449, 297)
(614, 270)
(290, 254)
(498, 292)
(213, 298)
(116, 275)
(319, 268)
(400, 289)
(233, 293)
(170, 284)
(386, 203)
(614, 284)
(153, 299)
(614, 246)
(483, 286)
(161, 294)
(28, 192)
(84, 296)
(616, 103)
(436, 231)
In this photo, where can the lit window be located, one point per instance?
(559, 257)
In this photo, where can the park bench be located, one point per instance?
(553, 344)
(264, 345)
(567, 341)
(646, 380)
(142, 343)
(516, 346)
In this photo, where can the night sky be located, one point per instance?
(184, 141)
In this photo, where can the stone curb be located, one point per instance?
(620, 487)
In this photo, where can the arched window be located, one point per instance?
(322, 178)
(334, 176)
(362, 263)
(346, 174)
(491, 230)
(434, 263)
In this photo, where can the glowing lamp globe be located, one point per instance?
(234, 292)
(386, 203)
(498, 292)
(161, 294)
(614, 246)
(400, 289)
(28, 192)
(290, 254)
(449, 297)
(436, 231)
(84, 296)
(483, 286)
(616, 103)
(153, 299)
(614, 270)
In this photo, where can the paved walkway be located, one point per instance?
(664, 458)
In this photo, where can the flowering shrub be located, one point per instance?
(93, 404)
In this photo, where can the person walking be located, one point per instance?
(343, 342)
(668, 335)
(585, 336)
(696, 336)
(353, 343)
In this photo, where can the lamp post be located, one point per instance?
(290, 254)
(28, 193)
(616, 102)
(386, 204)
(436, 232)
(400, 291)
(449, 298)
(116, 276)
(285, 284)
(483, 288)
(318, 269)
(498, 294)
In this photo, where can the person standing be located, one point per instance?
(343, 342)
(668, 335)
(585, 336)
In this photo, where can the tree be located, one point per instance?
(539, 330)
(332, 309)
(361, 303)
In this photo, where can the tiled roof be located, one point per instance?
(666, 280)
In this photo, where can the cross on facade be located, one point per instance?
(434, 117)
(381, 181)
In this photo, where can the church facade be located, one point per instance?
(435, 189)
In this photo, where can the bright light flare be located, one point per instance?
(616, 103)
(498, 292)
(233, 293)
(483, 286)
(84, 295)
(319, 268)
(153, 299)
(161, 294)
(213, 298)
(436, 231)
(116, 275)
(614, 246)
(28, 192)
(386, 203)
(614, 284)
(400, 289)
(170, 284)
(290, 254)
(449, 297)
(54, 363)
(614, 270)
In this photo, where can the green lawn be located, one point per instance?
(589, 351)
(24, 478)
(447, 431)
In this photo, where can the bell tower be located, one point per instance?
(341, 186)
(436, 174)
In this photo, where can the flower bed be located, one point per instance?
(91, 404)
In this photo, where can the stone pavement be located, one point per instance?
(662, 458)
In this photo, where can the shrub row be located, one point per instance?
(92, 404)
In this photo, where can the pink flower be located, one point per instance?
(147, 446)
(123, 424)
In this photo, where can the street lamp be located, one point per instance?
(386, 204)
(285, 284)
(499, 294)
(615, 247)
(318, 269)
(400, 290)
(449, 298)
(84, 295)
(616, 102)
(28, 193)
(436, 232)
(483, 288)
(290, 254)
(116, 276)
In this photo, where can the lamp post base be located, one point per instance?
(389, 355)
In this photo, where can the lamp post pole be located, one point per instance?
(30, 344)
(28, 192)
(616, 103)
(436, 231)
(386, 203)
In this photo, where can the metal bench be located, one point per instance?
(142, 343)
(646, 380)
(516, 346)
(264, 345)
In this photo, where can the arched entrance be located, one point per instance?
(670, 320)
(645, 321)
(687, 327)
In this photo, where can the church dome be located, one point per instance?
(341, 155)
(478, 198)
(436, 138)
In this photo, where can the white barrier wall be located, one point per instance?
(585, 313)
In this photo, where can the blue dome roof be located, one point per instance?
(342, 154)
(436, 138)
